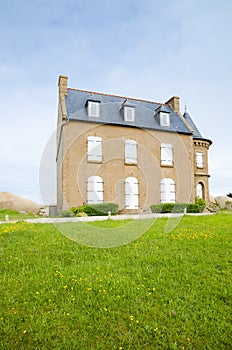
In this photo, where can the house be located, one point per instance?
(128, 151)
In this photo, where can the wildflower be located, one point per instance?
(25, 331)
(65, 287)
(131, 318)
(89, 289)
(155, 329)
(37, 293)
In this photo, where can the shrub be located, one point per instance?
(198, 207)
(100, 209)
(67, 213)
(201, 202)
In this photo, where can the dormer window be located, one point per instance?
(93, 109)
(129, 114)
(164, 119)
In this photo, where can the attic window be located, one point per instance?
(129, 114)
(164, 119)
(94, 109)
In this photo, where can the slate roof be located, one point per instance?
(111, 111)
(196, 133)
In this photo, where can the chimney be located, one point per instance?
(175, 103)
(63, 84)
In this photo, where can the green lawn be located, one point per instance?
(14, 215)
(163, 291)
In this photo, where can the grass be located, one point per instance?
(15, 215)
(162, 291)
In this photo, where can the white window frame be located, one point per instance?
(93, 109)
(166, 154)
(199, 160)
(131, 152)
(164, 119)
(94, 149)
(167, 191)
(129, 114)
(131, 193)
(95, 192)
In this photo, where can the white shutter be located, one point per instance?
(94, 190)
(166, 154)
(167, 191)
(164, 119)
(129, 114)
(94, 148)
(93, 109)
(131, 193)
(131, 151)
(199, 158)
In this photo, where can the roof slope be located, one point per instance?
(111, 111)
(196, 133)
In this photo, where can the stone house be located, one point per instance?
(128, 151)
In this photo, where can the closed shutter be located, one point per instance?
(131, 193)
(94, 190)
(94, 148)
(131, 152)
(199, 158)
(166, 154)
(93, 109)
(167, 191)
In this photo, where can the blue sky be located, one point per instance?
(147, 49)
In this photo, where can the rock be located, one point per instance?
(212, 199)
(221, 201)
(13, 202)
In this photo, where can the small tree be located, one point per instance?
(229, 195)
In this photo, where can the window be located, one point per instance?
(129, 114)
(164, 119)
(167, 191)
(131, 193)
(94, 149)
(94, 190)
(199, 159)
(93, 109)
(130, 152)
(166, 154)
(200, 190)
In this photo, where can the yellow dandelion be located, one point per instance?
(131, 318)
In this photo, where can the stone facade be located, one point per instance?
(74, 168)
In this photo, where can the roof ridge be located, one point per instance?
(113, 95)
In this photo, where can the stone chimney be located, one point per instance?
(175, 103)
(63, 85)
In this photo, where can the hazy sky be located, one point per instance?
(147, 49)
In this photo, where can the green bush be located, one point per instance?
(198, 207)
(201, 202)
(100, 209)
(67, 213)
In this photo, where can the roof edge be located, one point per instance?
(119, 96)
